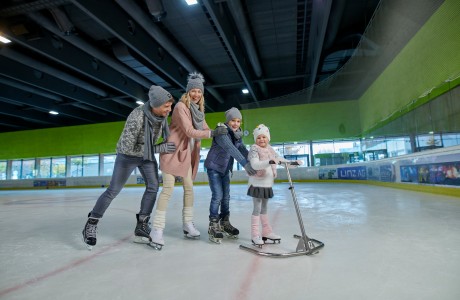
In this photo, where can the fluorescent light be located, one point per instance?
(139, 102)
(4, 40)
(245, 91)
(191, 2)
(52, 112)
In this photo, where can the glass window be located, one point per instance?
(58, 167)
(28, 169)
(44, 168)
(90, 165)
(76, 166)
(108, 163)
(16, 169)
(3, 165)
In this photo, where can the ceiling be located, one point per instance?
(92, 60)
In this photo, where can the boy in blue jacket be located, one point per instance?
(219, 164)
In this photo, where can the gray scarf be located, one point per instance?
(238, 134)
(197, 116)
(149, 120)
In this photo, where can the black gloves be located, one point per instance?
(164, 148)
(220, 130)
(249, 169)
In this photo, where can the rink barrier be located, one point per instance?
(435, 171)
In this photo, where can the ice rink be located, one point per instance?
(380, 243)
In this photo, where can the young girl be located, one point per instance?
(260, 185)
(219, 165)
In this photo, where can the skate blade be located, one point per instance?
(141, 240)
(89, 247)
(191, 237)
(271, 241)
(231, 236)
(155, 246)
(257, 245)
(216, 240)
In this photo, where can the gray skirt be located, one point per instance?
(260, 192)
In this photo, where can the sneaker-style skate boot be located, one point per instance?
(142, 231)
(214, 232)
(190, 230)
(157, 239)
(89, 232)
(267, 232)
(228, 229)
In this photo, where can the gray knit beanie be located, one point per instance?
(195, 81)
(158, 96)
(232, 113)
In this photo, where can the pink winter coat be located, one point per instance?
(181, 131)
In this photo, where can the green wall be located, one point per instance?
(290, 123)
(430, 57)
(333, 120)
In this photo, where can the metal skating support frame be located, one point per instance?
(306, 245)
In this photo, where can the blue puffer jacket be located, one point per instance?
(224, 149)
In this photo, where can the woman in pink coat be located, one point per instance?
(188, 127)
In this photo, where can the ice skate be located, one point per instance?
(267, 232)
(257, 241)
(214, 232)
(271, 238)
(230, 231)
(89, 232)
(142, 230)
(157, 241)
(190, 231)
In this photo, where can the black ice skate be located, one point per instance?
(228, 229)
(142, 231)
(89, 232)
(215, 235)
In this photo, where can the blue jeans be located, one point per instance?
(123, 167)
(220, 189)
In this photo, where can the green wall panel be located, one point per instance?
(431, 57)
(333, 120)
(84, 139)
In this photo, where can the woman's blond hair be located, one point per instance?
(186, 100)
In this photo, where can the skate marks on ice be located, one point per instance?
(66, 268)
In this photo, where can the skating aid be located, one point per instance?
(306, 245)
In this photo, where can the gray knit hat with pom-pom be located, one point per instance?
(195, 81)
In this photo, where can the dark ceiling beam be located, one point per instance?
(69, 56)
(20, 112)
(90, 49)
(44, 104)
(112, 17)
(38, 79)
(220, 19)
(320, 17)
(145, 21)
(30, 89)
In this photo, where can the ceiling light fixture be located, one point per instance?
(245, 91)
(52, 112)
(191, 2)
(4, 40)
(139, 102)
